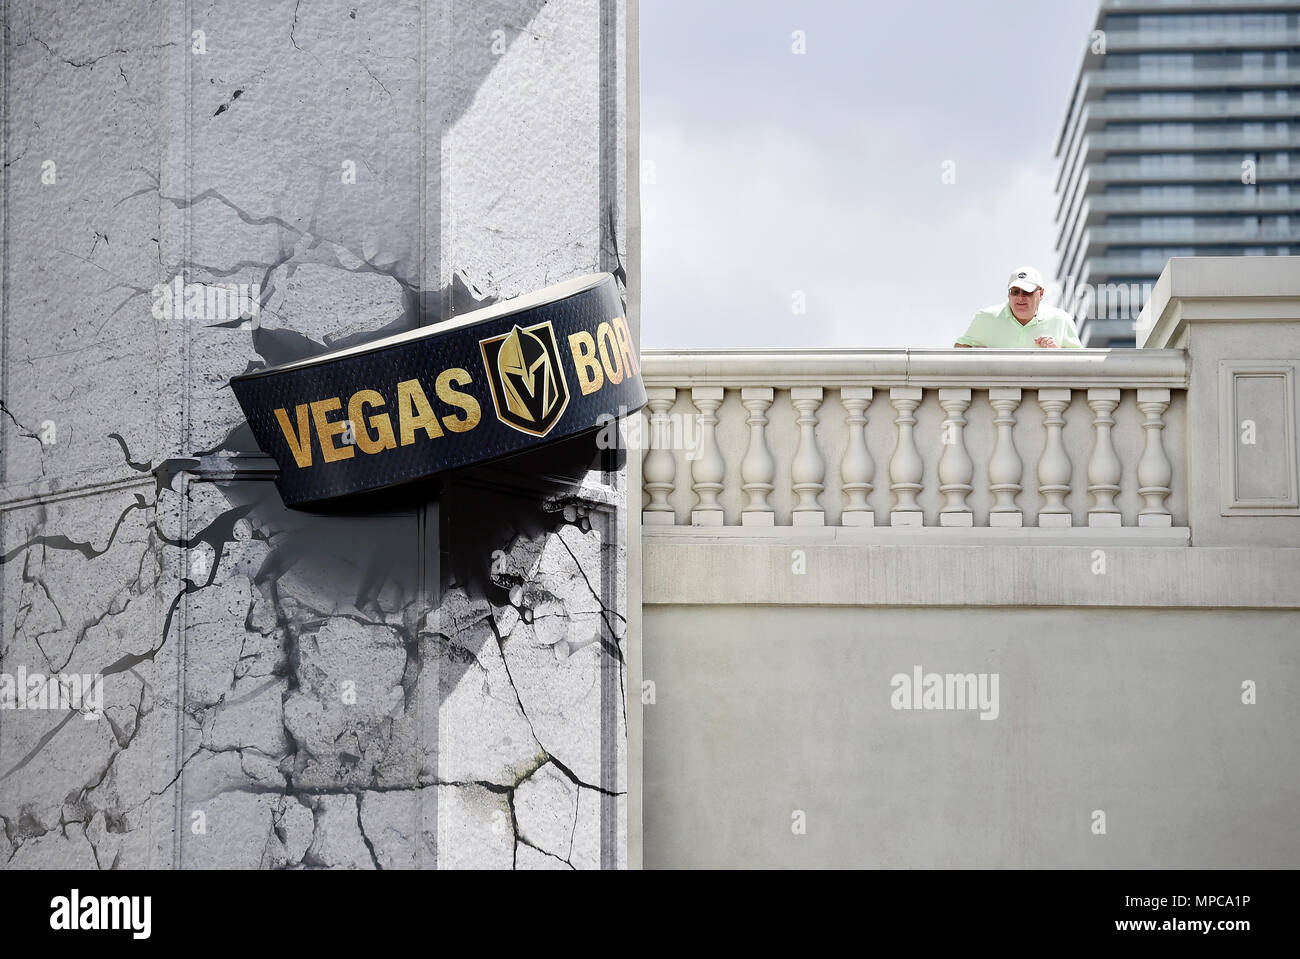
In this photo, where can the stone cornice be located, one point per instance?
(974, 368)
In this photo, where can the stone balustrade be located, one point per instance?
(960, 439)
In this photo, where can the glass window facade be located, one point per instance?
(1203, 152)
(1202, 22)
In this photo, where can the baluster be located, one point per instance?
(1005, 466)
(955, 466)
(857, 468)
(708, 469)
(808, 469)
(758, 467)
(1103, 464)
(905, 466)
(659, 472)
(1054, 465)
(1154, 470)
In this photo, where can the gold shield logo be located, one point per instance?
(528, 386)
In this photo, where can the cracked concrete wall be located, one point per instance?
(437, 684)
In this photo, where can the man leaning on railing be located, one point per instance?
(1022, 321)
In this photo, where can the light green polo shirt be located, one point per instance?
(996, 327)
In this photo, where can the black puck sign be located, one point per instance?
(510, 377)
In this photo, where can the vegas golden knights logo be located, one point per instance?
(528, 386)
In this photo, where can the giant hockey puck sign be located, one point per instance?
(508, 378)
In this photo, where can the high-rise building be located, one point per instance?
(1182, 138)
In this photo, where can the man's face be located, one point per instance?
(1024, 305)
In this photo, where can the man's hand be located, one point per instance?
(962, 346)
(1047, 343)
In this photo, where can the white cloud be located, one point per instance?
(887, 254)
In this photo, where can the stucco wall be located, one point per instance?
(768, 719)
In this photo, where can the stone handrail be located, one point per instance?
(915, 438)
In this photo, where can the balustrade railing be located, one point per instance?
(915, 438)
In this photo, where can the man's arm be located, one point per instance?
(976, 334)
(963, 346)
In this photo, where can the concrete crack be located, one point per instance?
(570, 773)
(610, 647)
(366, 839)
(520, 840)
(91, 61)
(377, 80)
(40, 744)
(294, 26)
(22, 430)
(86, 549)
(226, 106)
(523, 712)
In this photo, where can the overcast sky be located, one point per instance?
(823, 172)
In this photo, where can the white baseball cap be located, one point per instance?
(1026, 278)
